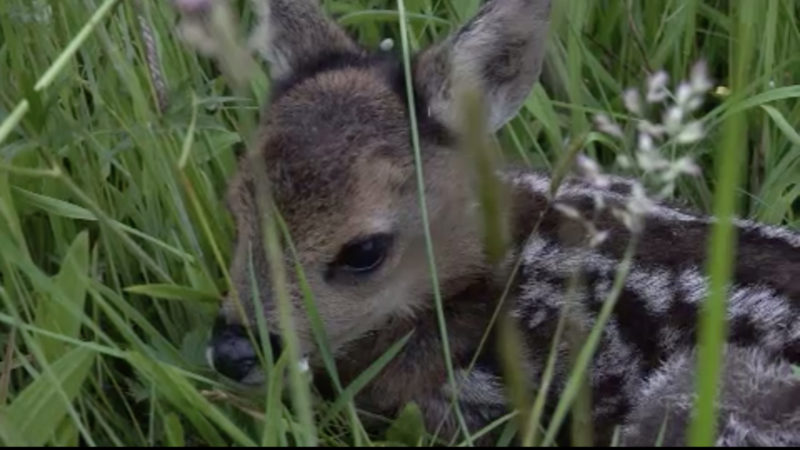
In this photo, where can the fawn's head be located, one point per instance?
(336, 149)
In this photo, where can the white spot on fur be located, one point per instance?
(653, 286)
(693, 285)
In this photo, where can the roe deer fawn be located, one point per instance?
(337, 147)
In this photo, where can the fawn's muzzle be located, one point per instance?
(232, 354)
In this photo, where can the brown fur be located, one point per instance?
(337, 147)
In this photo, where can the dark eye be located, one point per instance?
(364, 255)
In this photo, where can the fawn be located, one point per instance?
(337, 148)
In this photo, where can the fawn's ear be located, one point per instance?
(292, 34)
(500, 51)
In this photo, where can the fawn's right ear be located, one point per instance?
(499, 53)
(294, 33)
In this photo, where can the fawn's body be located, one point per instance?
(652, 328)
(337, 149)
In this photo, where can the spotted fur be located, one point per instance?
(337, 147)
(758, 407)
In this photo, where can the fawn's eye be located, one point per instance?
(364, 255)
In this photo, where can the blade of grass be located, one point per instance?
(38, 410)
(57, 67)
(406, 51)
(722, 246)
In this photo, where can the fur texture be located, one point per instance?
(759, 400)
(336, 143)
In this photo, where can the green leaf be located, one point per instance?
(408, 428)
(36, 414)
(193, 346)
(787, 129)
(54, 206)
(773, 95)
(60, 314)
(9, 435)
(66, 434)
(173, 292)
(185, 397)
(36, 117)
(68, 210)
(173, 430)
(465, 8)
(9, 219)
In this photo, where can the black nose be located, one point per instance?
(232, 352)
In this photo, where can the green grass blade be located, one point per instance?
(72, 281)
(424, 209)
(174, 292)
(39, 409)
(712, 331)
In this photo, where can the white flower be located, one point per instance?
(686, 165)
(639, 203)
(694, 104)
(651, 161)
(684, 95)
(673, 120)
(691, 133)
(683, 166)
(633, 102)
(676, 123)
(699, 79)
(645, 126)
(646, 142)
(638, 206)
(606, 125)
(591, 170)
(588, 164)
(657, 87)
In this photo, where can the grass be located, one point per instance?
(114, 240)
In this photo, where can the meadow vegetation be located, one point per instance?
(117, 139)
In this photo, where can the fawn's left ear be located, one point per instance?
(295, 33)
(501, 50)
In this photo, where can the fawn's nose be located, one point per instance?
(231, 352)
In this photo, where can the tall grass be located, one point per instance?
(114, 239)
